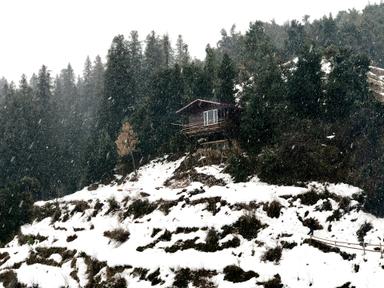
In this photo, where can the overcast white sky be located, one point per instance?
(55, 32)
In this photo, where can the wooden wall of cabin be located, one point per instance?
(196, 118)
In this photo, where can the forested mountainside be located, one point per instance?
(299, 122)
(180, 225)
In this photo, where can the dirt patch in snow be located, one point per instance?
(182, 179)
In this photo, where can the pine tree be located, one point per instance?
(154, 56)
(296, 41)
(305, 89)
(210, 73)
(44, 149)
(259, 50)
(118, 98)
(347, 87)
(101, 155)
(182, 54)
(226, 76)
(167, 50)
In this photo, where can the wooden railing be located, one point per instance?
(365, 247)
(199, 128)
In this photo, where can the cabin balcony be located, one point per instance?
(199, 129)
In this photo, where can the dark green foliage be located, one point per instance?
(226, 77)
(15, 209)
(102, 157)
(119, 96)
(296, 41)
(299, 157)
(235, 274)
(347, 87)
(305, 88)
(263, 101)
(239, 167)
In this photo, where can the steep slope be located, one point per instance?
(178, 226)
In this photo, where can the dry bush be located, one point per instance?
(273, 209)
(47, 210)
(30, 239)
(80, 206)
(126, 141)
(199, 278)
(275, 282)
(139, 208)
(154, 278)
(328, 249)
(272, 255)
(113, 205)
(325, 206)
(235, 274)
(336, 215)
(9, 279)
(247, 226)
(4, 257)
(363, 230)
(312, 223)
(71, 238)
(118, 234)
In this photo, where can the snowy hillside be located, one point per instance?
(376, 82)
(180, 227)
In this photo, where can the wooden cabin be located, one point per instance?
(204, 118)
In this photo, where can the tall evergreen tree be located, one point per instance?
(118, 99)
(347, 87)
(305, 89)
(44, 146)
(226, 76)
(296, 40)
(210, 72)
(182, 54)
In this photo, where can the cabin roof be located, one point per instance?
(200, 103)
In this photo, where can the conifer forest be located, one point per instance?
(306, 110)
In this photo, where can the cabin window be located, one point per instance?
(210, 117)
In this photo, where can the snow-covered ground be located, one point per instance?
(71, 249)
